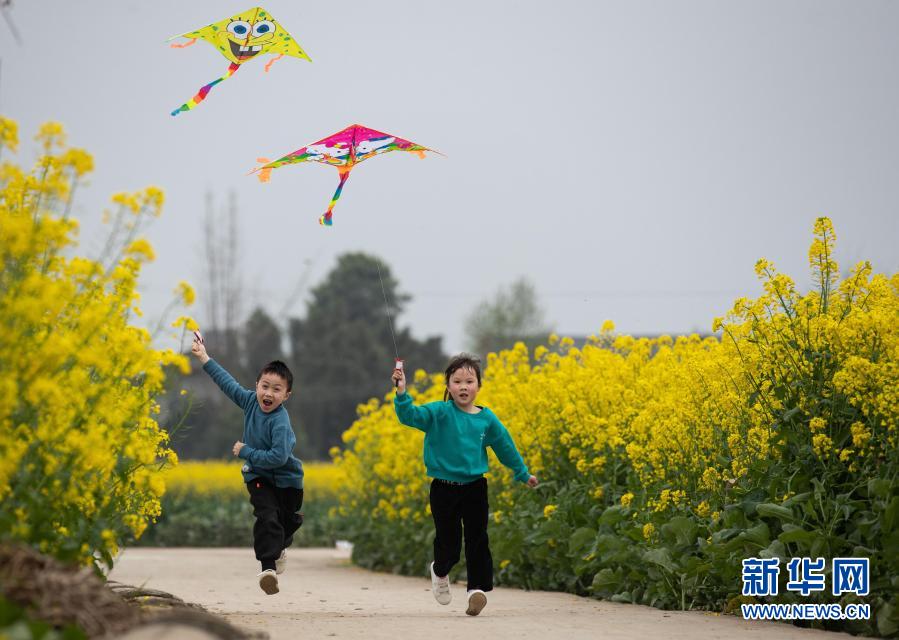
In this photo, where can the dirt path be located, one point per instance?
(323, 596)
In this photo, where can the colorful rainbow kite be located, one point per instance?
(239, 38)
(343, 150)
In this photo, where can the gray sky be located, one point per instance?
(633, 159)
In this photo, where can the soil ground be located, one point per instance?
(322, 595)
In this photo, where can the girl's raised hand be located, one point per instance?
(399, 380)
(199, 350)
(532, 482)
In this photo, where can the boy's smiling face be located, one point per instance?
(271, 391)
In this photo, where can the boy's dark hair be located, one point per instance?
(279, 369)
(462, 361)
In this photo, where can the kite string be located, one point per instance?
(387, 310)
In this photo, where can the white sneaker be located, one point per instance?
(281, 562)
(477, 600)
(440, 587)
(268, 581)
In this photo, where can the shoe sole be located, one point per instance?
(476, 604)
(269, 584)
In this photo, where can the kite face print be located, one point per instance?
(245, 35)
(373, 146)
(248, 34)
(246, 38)
(329, 154)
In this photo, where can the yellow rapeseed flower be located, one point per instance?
(9, 133)
(186, 293)
(80, 447)
(822, 444)
(186, 322)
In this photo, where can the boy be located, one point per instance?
(273, 475)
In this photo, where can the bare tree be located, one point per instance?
(224, 285)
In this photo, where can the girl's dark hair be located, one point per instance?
(279, 369)
(462, 361)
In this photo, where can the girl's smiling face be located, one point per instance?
(271, 391)
(463, 387)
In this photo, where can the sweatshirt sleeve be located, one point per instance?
(231, 388)
(421, 418)
(282, 446)
(498, 438)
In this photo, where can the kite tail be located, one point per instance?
(325, 220)
(268, 65)
(201, 94)
(187, 44)
(265, 173)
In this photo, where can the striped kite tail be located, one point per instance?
(325, 219)
(204, 90)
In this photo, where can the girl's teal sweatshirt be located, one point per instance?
(456, 442)
(268, 437)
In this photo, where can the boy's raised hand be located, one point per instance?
(399, 380)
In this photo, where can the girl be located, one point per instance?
(457, 434)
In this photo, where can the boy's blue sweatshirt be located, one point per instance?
(268, 437)
(456, 442)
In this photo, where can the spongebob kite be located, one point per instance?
(239, 38)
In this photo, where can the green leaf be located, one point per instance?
(680, 529)
(775, 550)
(660, 557)
(886, 623)
(817, 546)
(794, 533)
(581, 541)
(8, 612)
(799, 498)
(770, 510)
(891, 515)
(605, 583)
(724, 535)
(879, 487)
(759, 534)
(611, 516)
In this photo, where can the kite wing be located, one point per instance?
(347, 148)
(368, 143)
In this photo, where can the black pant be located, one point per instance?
(454, 506)
(277, 511)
